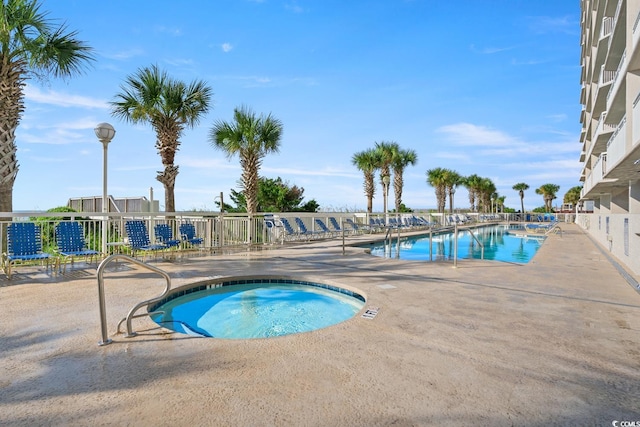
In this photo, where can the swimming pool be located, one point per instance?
(255, 307)
(500, 244)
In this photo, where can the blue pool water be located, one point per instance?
(499, 244)
(258, 310)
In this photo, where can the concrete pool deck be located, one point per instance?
(553, 342)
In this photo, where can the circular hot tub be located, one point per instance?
(255, 307)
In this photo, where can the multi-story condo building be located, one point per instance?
(610, 117)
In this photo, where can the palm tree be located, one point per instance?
(31, 45)
(473, 182)
(573, 195)
(452, 179)
(485, 191)
(521, 187)
(252, 138)
(548, 192)
(170, 106)
(400, 160)
(436, 179)
(367, 161)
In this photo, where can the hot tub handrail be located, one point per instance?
(103, 311)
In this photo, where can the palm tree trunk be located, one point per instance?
(168, 180)
(11, 107)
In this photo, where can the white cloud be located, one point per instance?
(62, 99)
(227, 47)
(124, 54)
(489, 50)
(472, 135)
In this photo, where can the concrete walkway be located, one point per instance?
(553, 342)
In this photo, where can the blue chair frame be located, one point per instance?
(188, 233)
(138, 237)
(24, 244)
(164, 235)
(71, 243)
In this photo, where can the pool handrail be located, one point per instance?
(103, 311)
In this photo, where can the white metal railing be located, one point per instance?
(607, 27)
(616, 75)
(635, 135)
(616, 146)
(599, 170)
(603, 127)
(217, 230)
(606, 76)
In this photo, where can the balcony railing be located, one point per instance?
(607, 27)
(616, 146)
(636, 121)
(616, 75)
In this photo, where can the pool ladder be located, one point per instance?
(131, 315)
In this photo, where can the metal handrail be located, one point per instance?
(103, 311)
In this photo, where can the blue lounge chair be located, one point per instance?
(289, 232)
(334, 223)
(24, 244)
(323, 228)
(303, 230)
(139, 237)
(188, 233)
(164, 235)
(71, 243)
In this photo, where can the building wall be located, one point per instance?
(610, 118)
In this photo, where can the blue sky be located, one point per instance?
(481, 87)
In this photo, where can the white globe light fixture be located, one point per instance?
(105, 133)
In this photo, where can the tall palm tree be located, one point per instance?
(572, 195)
(400, 160)
(367, 161)
(485, 191)
(548, 192)
(521, 187)
(251, 137)
(436, 179)
(170, 106)
(452, 179)
(31, 45)
(385, 152)
(472, 182)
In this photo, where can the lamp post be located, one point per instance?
(385, 189)
(105, 133)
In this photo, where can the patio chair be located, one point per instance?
(164, 235)
(323, 228)
(303, 230)
(354, 226)
(24, 244)
(334, 223)
(138, 237)
(289, 232)
(71, 243)
(188, 233)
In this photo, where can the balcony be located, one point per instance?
(617, 147)
(617, 91)
(635, 135)
(595, 182)
(601, 136)
(604, 85)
